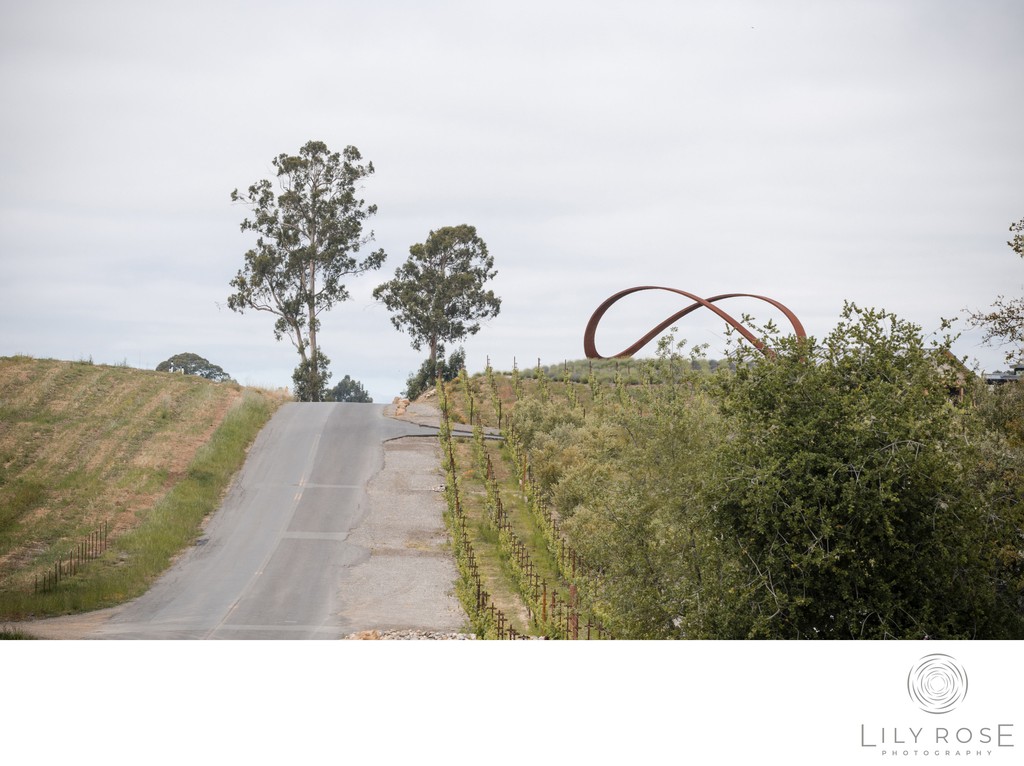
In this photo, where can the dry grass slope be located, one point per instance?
(84, 445)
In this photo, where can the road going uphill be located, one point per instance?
(333, 527)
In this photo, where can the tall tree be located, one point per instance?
(1004, 323)
(438, 294)
(309, 238)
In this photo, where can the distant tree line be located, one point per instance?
(188, 363)
(348, 390)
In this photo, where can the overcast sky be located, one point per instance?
(813, 152)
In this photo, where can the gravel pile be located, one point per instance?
(409, 635)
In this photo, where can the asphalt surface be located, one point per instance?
(332, 527)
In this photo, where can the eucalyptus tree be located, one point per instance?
(438, 294)
(309, 238)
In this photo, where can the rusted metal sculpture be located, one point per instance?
(590, 348)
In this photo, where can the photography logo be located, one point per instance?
(937, 683)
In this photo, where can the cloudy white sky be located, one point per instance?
(813, 152)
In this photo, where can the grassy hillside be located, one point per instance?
(88, 447)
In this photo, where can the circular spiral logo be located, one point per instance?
(937, 683)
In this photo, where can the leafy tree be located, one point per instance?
(998, 476)
(309, 238)
(1004, 323)
(348, 390)
(193, 364)
(438, 294)
(851, 493)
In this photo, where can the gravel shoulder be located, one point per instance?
(408, 580)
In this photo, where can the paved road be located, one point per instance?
(305, 544)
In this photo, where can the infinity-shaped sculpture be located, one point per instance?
(590, 348)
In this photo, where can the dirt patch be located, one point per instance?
(69, 628)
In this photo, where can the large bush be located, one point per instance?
(835, 489)
(428, 373)
(851, 489)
